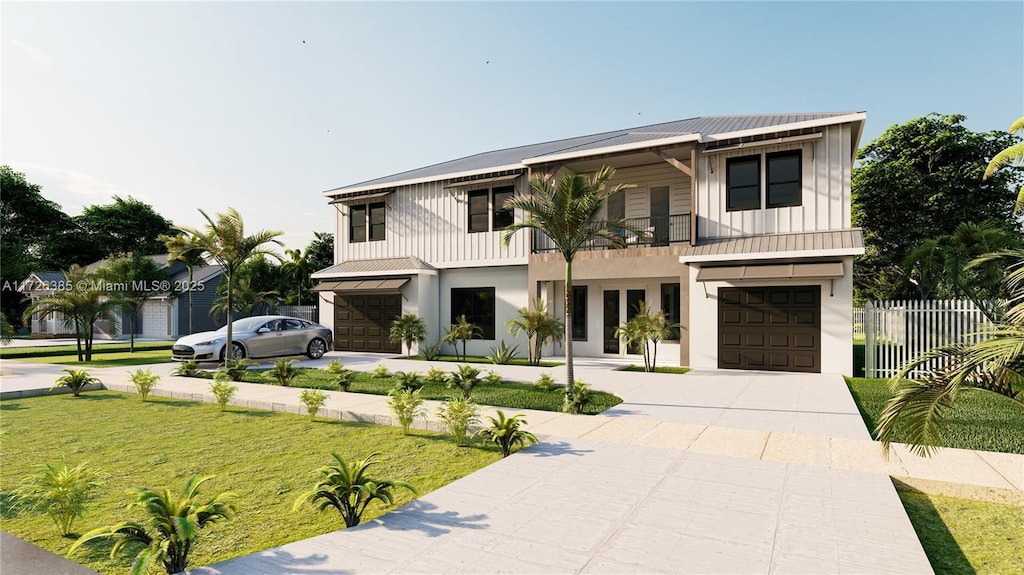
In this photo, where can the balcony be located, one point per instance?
(659, 231)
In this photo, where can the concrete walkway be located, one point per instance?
(712, 472)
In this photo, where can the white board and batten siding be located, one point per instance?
(826, 165)
(638, 202)
(431, 222)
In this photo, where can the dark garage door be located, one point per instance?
(770, 328)
(362, 322)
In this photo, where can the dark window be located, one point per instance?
(477, 304)
(377, 219)
(783, 179)
(357, 224)
(479, 211)
(617, 206)
(579, 313)
(502, 217)
(743, 183)
(670, 304)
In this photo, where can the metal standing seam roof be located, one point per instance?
(706, 126)
(850, 240)
(369, 267)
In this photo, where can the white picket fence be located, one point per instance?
(896, 332)
(306, 312)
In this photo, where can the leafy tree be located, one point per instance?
(320, 251)
(539, 326)
(127, 226)
(81, 306)
(348, 488)
(408, 328)
(186, 249)
(1013, 154)
(224, 241)
(568, 212)
(917, 181)
(938, 267)
(297, 268)
(461, 331)
(171, 528)
(507, 432)
(132, 281)
(60, 491)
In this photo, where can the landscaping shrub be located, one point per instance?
(466, 378)
(505, 432)
(408, 329)
(344, 379)
(144, 381)
(75, 380)
(188, 369)
(581, 397)
(503, 354)
(407, 406)
(222, 389)
(283, 372)
(313, 400)
(60, 491)
(545, 382)
(408, 380)
(380, 372)
(349, 489)
(431, 352)
(493, 378)
(437, 376)
(236, 368)
(458, 415)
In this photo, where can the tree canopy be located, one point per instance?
(919, 181)
(126, 226)
(320, 251)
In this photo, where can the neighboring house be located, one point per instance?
(750, 244)
(162, 317)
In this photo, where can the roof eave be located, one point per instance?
(630, 147)
(846, 118)
(363, 188)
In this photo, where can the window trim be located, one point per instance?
(493, 315)
(369, 221)
(728, 184)
(352, 227)
(799, 154)
(495, 208)
(678, 305)
(486, 193)
(575, 323)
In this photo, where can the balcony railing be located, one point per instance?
(658, 231)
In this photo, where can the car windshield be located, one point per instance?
(244, 324)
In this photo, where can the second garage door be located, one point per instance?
(363, 322)
(770, 328)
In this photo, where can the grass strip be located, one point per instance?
(483, 359)
(101, 348)
(657, 369)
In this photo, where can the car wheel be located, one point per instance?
(239, 351)
(316, 349)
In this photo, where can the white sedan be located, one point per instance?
(257, 337)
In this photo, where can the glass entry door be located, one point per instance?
(611, 321)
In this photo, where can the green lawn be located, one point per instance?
(483, 359)
(115, 359)
(102, 348)
(658, 369)
(978, 420)
(961, 536)
(506, 394)
(267, 458)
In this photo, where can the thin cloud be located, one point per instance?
(72, 189)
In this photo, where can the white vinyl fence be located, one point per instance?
(896, 332)
(306, 312)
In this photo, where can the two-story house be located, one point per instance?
(749, 243)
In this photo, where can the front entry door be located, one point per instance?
(611, 321)
(633, 299)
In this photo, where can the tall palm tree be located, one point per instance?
(224, 241)
(568, 212)
(185, 248)
(1012, 154)
(171, 528)
(81, 306)
(298, 268)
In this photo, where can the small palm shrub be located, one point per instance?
(407, 406)
(431, 352)
(408, 380)
(458, 415)
(345, 378)
(222, 389)
(334, 367)
(436, 376)
(545, 382)
(493, 378)
(348, 488)
(312, 400)
(236, 368)
(171, 527)
(503, 354)
(75, 380)
(283, 372)
(581, 398)
(465, 379)
(188, 369)
(144, 381)
(380, 372)
(408, 329)
(506, 433)
(461, 331)
(60, 491)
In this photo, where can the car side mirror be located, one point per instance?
(261, 331)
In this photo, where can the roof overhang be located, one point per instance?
(363, 274)
(360, 197)
(478, 181)
(821, 122)
(803, 254)
(386, 185)
(381, 286)
(630, 147)
(812, 270)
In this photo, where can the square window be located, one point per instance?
(477, 304)
(743, 183)
(783, 177)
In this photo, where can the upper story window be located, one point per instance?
(487, 209)
(783, 179)
(743, 183)
(367, 221)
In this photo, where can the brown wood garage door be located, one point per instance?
(770, 328)
(362, 322)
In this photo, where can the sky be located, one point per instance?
(263, 106)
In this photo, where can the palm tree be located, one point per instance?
(408, 328)
(171, 528)
(567, 213)
(939, 265)
(644, 331)
(348, 488)
(185, 248)
(1012, 154)
(224, 241)
(539, 327)
(506, 433)
(81, 306)
(993, 363)
(298, 268)
(462, 330)
(246, 302)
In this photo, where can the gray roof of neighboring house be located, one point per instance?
(847, 241)
(200, 274)
(706, 126)
(377, 266)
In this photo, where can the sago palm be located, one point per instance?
(171, 527)
(185, 248)
(348, 488)
(538, 326)
(408, 329)
(507, 432)
(1014, 154)
(568, 212)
